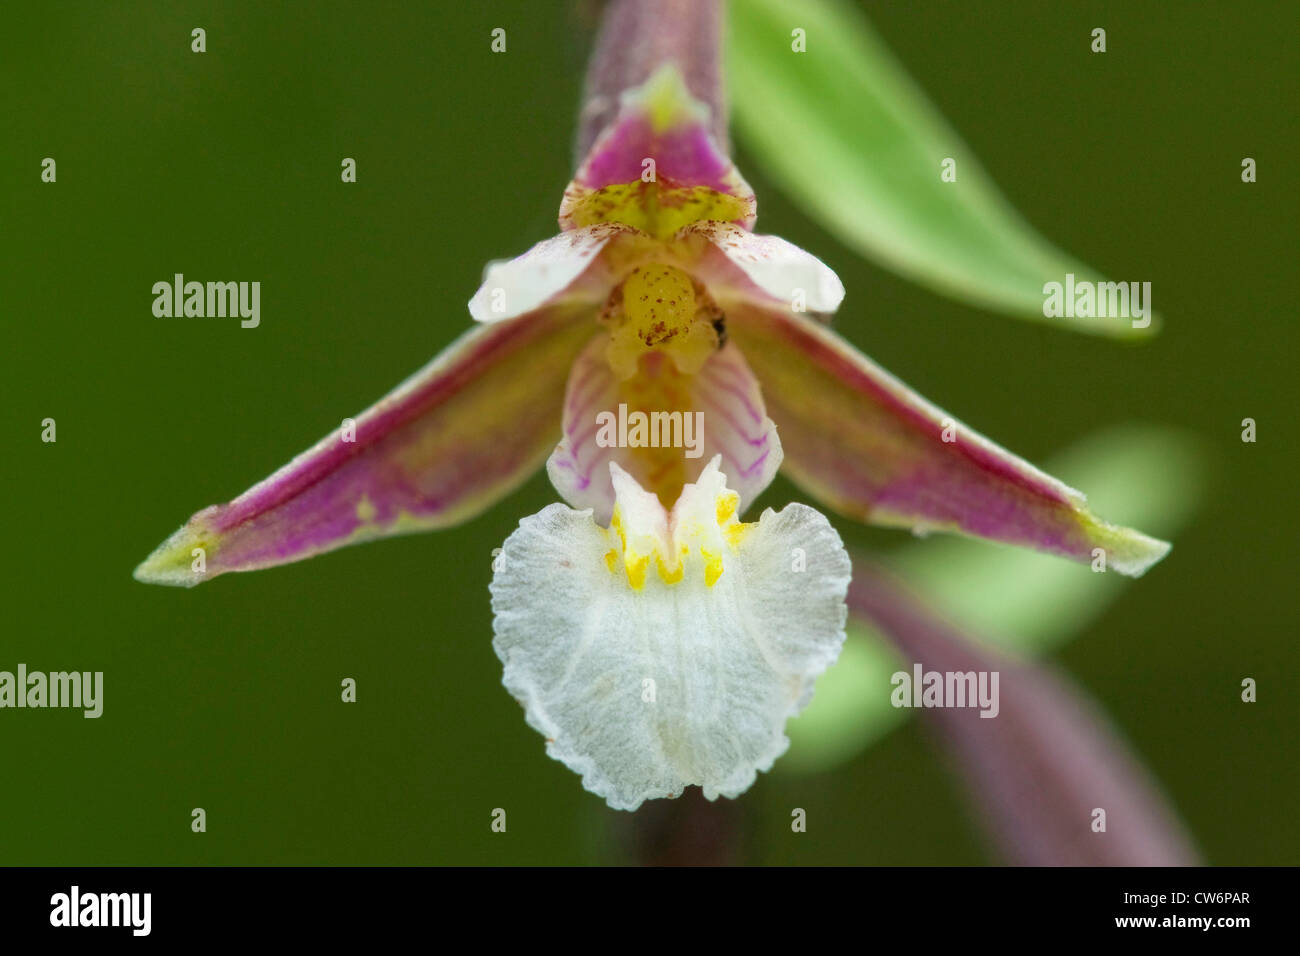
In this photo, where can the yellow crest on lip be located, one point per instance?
(695, 540)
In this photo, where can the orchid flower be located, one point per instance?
(655, 639)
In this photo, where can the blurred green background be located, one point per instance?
(226, 165)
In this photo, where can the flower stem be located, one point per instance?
(687, 831)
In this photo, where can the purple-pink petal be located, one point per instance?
(869, 447)
(447, 443)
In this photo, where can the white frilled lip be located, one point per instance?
(668, 650)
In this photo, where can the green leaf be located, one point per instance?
(1015, 599)
(845, 131)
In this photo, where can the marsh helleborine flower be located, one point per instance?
(654, 639)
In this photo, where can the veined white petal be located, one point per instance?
(738, 264)
(669, 649)
(514, 287)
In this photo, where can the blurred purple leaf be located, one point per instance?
(1038, 769)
